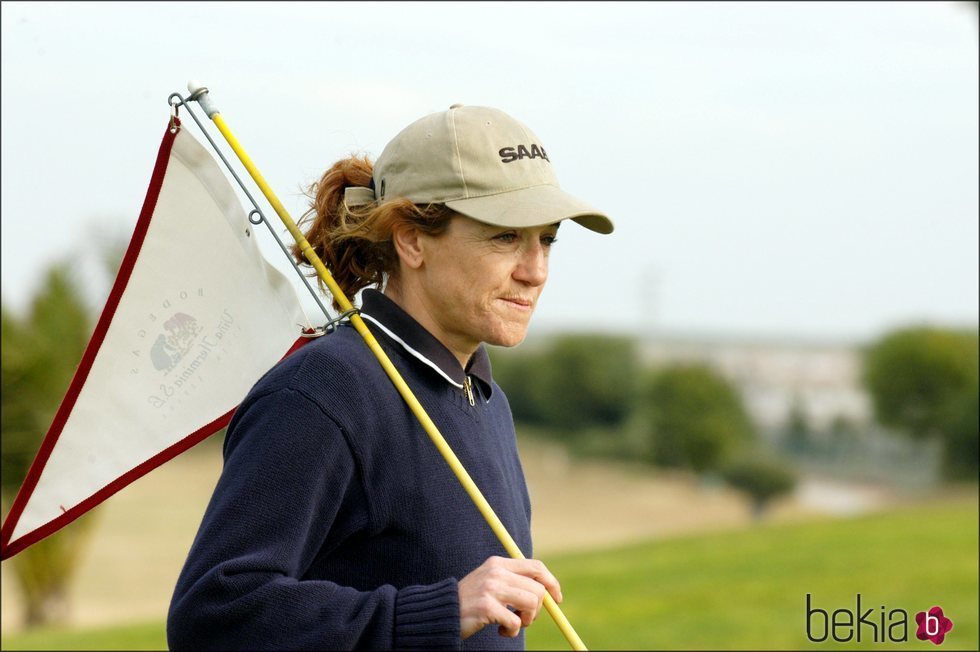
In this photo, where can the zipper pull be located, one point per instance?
(468, 389)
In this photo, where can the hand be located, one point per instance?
(501, 582)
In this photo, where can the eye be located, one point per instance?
(506, 237)
(548, 240)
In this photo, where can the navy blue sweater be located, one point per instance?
(335, 523)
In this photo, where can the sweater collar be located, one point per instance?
(401, 328)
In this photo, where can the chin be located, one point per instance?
(507, 339)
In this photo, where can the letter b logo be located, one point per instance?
(810, 613)
(933, 625)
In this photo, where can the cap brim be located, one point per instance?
(534, 206)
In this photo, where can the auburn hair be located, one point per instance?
(355, 242)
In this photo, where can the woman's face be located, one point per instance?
(479, 283)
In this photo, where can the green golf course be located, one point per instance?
(743, 589)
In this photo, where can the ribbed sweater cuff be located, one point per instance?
(428, 616)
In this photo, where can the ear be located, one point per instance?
(407, 241)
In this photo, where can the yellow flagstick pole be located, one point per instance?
(200, 93)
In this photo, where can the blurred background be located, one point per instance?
(763, 385)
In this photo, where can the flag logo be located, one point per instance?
(170, 348)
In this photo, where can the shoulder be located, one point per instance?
(306, 394)
(500, 397)
(336, 373)
(333, 363)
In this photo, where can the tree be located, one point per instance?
(587, 380)
(519, 374)
(761, 479)
(962, 449)
(577, 381)
(39, 355)
(696, 418)
(922, 381)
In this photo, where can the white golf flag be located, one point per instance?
(195, 317)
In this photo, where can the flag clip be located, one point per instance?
(173, 118)
(330, 326)
(315, 331)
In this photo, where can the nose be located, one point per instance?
(532, 266)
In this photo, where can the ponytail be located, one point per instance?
(355, 242)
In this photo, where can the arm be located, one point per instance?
(288, 470)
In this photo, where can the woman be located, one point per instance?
(336, 523)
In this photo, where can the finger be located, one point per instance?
(530, 585)
(510, 633)
(510, 622)
(500, 580)
(538, 571)
(524, 601)
(526, 617)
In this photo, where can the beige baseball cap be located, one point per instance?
(481, 163)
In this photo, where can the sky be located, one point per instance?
(775, 170)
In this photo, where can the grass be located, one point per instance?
(746, 590)
(139, 636)
(739, 590)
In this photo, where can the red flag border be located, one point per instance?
(8, 549)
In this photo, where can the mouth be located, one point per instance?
(519, 303)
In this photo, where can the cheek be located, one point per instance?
(462, 297)
(468, 290)
(481, 282)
